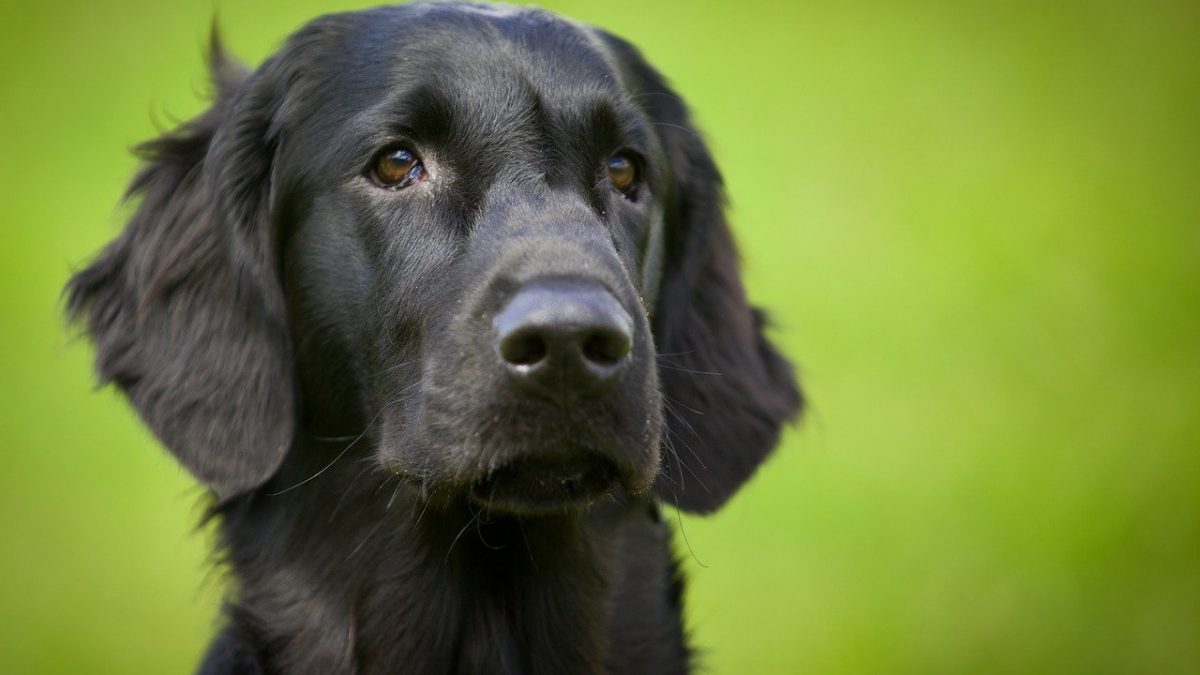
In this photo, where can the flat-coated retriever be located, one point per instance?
(422, 299)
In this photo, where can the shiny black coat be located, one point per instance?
(319, 349)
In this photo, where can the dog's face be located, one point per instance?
(466, 245)
(487, 239)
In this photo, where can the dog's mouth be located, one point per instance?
(546, 485)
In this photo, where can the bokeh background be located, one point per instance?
(976, 223)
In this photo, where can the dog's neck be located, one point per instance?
(394, 581)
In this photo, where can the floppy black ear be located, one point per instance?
(728, 390)
(185, 308)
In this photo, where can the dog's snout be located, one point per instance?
(568, 337)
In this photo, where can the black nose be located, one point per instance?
(564, 336)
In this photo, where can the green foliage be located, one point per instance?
(976, 226)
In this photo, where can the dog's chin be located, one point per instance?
(547, 485)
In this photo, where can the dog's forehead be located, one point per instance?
(478, 50)
(475, 81)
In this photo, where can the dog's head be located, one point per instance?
(490, 238)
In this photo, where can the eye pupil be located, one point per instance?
(622, 173)
(397, 168)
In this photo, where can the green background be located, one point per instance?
(977, 224)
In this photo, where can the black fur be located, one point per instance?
(318, 350)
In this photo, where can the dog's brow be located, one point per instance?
(424, 109)
(608, 124)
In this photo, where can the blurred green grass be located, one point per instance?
(976, 224)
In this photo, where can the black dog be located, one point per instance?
(419, 300)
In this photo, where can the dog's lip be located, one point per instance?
(547, 484)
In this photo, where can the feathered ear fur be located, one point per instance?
(728, 391)
(185, 307)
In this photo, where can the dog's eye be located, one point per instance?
(623, 173)
(397, 167)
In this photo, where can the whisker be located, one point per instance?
(479, 532)
(457, 537)
(683, 405)
(675, 497)
(365, 539)
(521, 529)
(664, 94)
(668, 407)
(392, 500)
(382, 484)
(684, 464)
(670, 448)
(677, 126)
(347, 448)
(345, 492)
(424, 508)
(681, 369)
(662, 354)
(683, 531)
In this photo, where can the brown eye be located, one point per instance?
(622, 172)
(397, 167)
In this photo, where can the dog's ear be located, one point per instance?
(185, 307)
(728, 391)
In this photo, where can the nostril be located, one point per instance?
(523, 349)
(606, 347)
(563, 337)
